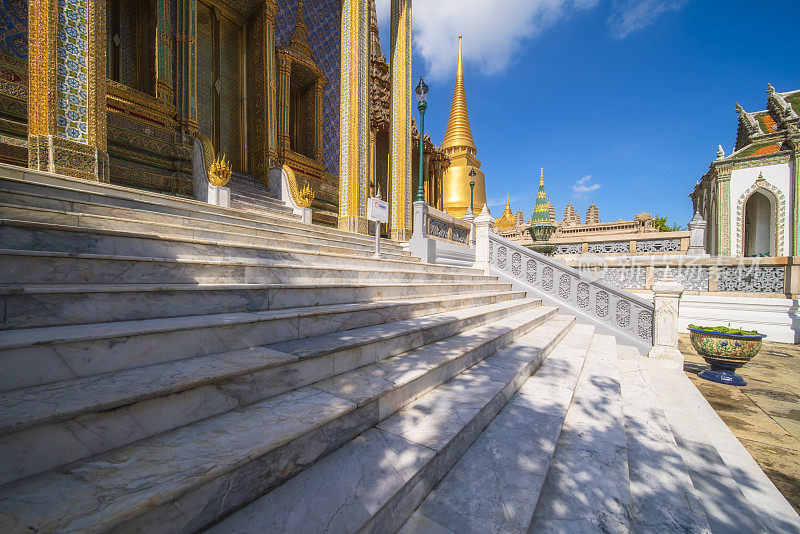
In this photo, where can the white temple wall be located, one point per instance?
(778, 178)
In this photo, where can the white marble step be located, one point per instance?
(34, 356)
(587, 487)
(46, 267)
(137, 403)
(63, 187)
(28, 306)
(40, 229)
(733, 491)
(373, 483)
(186, 478)
(241, 226)
(495, 485)
(663, 498)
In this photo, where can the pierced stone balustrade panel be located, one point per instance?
(569, 248)
(625, 277)
(610, 247)
(659, 245)
(460, 235)
(692, 278)
(438, 228)
(755, 279)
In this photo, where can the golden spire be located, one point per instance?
(541, 177)
(458, 134)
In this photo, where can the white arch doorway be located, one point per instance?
(759, 224)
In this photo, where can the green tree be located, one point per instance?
(663, 226)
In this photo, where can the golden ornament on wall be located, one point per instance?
(220, 172)
(306, 197)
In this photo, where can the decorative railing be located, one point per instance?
(441, 225)
(659, 245)
(638, 243)
(715, 274)
(619, 311)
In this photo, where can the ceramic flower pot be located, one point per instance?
(725, 352)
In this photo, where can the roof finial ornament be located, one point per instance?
(739, 109)
(720, 152)
(770, 89)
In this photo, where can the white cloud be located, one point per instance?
(493, 31)
(630, 15)
(583, 186)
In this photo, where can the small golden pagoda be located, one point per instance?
(458, 144)
(507, 220)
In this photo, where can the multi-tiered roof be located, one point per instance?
(765, 132)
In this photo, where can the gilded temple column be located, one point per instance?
(318, 117)
(270, 10)
(261, 91)
(284, 91)
(723, 184)
(186, 63)
(354, 116)
(164, 45)
(372, 183)
(67, 88)
(400, 135)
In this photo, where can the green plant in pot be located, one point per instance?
(725, 349)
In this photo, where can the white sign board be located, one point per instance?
(377, 210)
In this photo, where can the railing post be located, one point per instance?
(666, 297)
(697, 239)
(482, 228)
(420, 229)
(469, 217)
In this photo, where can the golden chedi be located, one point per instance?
(458, 144)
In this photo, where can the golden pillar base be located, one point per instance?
(357, 224)
(60, 156)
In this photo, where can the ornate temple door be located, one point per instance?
(221, 82)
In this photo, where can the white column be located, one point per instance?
(483, 224)
(666, 296)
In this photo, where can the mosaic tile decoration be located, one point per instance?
(14, 28)
(72, 72)
(324, 30)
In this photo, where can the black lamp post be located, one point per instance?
(422, 96)
(472, 174)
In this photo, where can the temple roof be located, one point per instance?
(458, 134)
(762, 132)
(507, 220)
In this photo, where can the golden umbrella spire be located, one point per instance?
(458, 134)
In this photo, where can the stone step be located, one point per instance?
(374, 482)
(33, 356)
(51, 186)
(587, 488)
(42, 229)
(663, 498)
(46, 267)
(249, 202)
(25, 235)
(234, 225)
(735, 494)
(71, 412)
(28, 306)
(495, 485)
(186, 478)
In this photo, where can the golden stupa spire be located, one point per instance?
(541, 177)
(458, 134)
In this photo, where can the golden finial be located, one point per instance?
(306, 197)
(220, 172)
(458, 133)
(541, 176)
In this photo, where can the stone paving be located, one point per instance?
(765, 414)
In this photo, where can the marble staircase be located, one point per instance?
(171, 366)
(248, 194)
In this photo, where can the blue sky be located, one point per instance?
(634, 94)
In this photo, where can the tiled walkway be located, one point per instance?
(765, 414)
